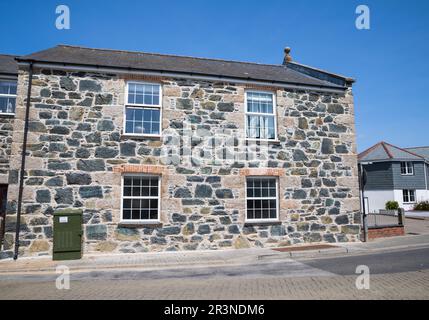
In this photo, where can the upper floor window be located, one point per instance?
(409, 196)
(261, 197)
(7, 97)
(140, 198)
(260, 116)
(143, 108)
(407, 168)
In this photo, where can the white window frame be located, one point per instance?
(3, 95)
(409, 168)
(261, 220)
(140, 221)
(246, 113)
(142, 106)
(407, 193)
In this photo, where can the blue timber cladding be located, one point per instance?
(415, 181)
(379, 176)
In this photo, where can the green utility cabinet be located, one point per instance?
(67, 234)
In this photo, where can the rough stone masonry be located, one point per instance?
(77, 153)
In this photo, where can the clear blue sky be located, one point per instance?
(389, 61)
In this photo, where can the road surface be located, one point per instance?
(402, 274)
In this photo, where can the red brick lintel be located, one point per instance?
(140, 168)
(274, 172)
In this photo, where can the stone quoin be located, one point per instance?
(162, 153)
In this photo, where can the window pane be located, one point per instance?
(135, 214)
(153, 203)
(142, 121)
(265, 192)
(127, 214)
(260, 202)
(412, 196)
(145, 191)
(144, 94)
(153, 214)
(147, 127)
(156, 100)
(405, 195)
(259, 102)
(7, 104)
(154, 191)
(7, 87)
(155, 115)
(148, 99)
(127, 191)
(127, 203)
(145, 203)
(140, 203)
(144, 214)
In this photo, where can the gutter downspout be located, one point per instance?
(426, 176)
(22, 171)
(362, 192)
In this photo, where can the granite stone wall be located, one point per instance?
(77, 153)
(6, 130)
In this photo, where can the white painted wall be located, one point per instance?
(421, 195)
(377, 199)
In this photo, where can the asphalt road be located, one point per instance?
(380, 263)
(403, 274)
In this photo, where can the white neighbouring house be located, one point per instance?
(395, 174)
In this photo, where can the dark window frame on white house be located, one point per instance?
(261, 115)
(409, 196)
(7, 97)
(143, 109)
(262, 201)
(407, 168)
(140, 200)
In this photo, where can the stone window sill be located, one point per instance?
(7, 115)
(140, 137)
(263, 141)
(140, 224)
(261, 223)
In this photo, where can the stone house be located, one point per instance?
(164, 152)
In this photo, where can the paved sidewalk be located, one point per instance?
(407, 285)
(171, 260)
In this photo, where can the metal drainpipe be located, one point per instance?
(22, 171)
(364, 214)
(426, 175)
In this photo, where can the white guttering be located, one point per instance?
(178, 75)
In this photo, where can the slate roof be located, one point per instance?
(385, 151)
(81, 56)
(8, 65)
(421, 151)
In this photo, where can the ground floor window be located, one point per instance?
(409, 196)
(140, 198)
(261, 198)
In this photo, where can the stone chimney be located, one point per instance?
(287, 57)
